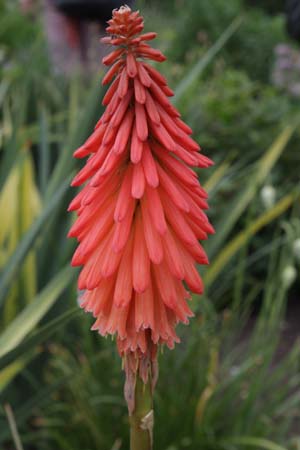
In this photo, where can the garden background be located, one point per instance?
(234, 381)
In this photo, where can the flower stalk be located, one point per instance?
(142, 418)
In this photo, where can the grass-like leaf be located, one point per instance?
(14, 263)
(205, 60)
(239, 204)
(240, 240)
(33, 313)
(38, 336)
(256, 443)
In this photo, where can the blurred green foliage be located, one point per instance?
(271, 6)
(18, 41)
(232, 113)
(232, 384)
(250, 49)
(14, 29)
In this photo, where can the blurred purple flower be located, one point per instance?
(286, 71)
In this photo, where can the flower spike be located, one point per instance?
(141, 208)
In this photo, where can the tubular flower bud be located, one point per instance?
(140, 213)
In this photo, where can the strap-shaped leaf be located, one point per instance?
(14, 263)
(26, 321)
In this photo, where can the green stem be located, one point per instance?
(141, 420)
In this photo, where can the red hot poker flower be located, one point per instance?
(141, 210)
